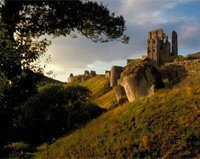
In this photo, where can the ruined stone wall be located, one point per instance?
(154, 49)
(72, 79)
(156, 34)
(92, 73)
(107, 74)
(81, 78)
(86, 73)
(115, 75)
(159, 48)
(174, 44)
(165, 52)
(187, 71)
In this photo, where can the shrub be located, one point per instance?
(154, 77)
(3, 108)
(53, 112)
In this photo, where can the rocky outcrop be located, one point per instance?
(120, 94)
(177, 71)
(140, 78)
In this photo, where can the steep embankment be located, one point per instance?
(165, 124)
(107, 100)
(194, 56)
(102, 95)
(156, 127)
(98, 85)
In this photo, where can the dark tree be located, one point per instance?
(24, 23)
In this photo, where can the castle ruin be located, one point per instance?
(159, 48)
(107, 74)
(115, 75)
(134, 83)
(81, 78)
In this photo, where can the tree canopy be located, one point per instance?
(25, 21)
(24, 25)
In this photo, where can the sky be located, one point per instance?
(74, 55)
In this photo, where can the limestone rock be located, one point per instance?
(120, 93)
(140, 79)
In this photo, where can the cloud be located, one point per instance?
(81, 51)
(76, 55)
(143, 11)
(189, 35)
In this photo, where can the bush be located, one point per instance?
(54, 111)
(3, 86)
(3, 108)
(153, 76)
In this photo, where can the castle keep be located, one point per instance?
(159, 49)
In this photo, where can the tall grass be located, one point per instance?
(163, 125)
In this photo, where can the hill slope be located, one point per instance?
(107, 100)
(98, 85)
(102, 94)
(153, 127)
(165, 124)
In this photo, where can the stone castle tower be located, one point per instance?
(174, 44)
(159, 48)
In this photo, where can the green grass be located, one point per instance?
(98, 85)
(102, 94)
(107, 101)
(163, 125)
(194, 56)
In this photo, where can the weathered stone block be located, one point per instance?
(141, 79)
(120, 93)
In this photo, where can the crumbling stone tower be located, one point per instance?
(71, 78)
(174, 44)
(159, 48)
(107, 74)
(115, 75)
(86, 73)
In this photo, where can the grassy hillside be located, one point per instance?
(98, 85)
(194, 56)
(102, 93)
(107, 100)
(150, 127)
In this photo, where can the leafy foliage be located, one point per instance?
(23, 22)
(23, 26)
(153, 76)
(54, 111)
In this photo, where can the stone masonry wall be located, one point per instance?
(177, 71)
(115, 75)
